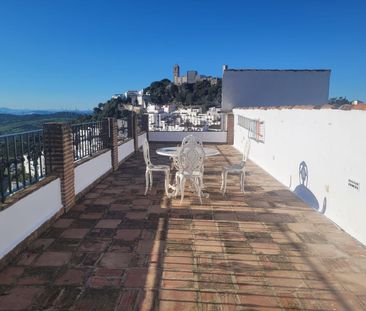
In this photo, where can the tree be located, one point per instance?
(339, 101)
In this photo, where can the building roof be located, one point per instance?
(292, 70)
(309, 107)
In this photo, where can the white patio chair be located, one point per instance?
(238, 169)
(190, 166)
(191, 139)
(150, 168)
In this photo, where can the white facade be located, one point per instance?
(254, 88)
(126, 149)
(138, 98)
(182, 119)
(86, 173)
(328, 146)
(24, 217)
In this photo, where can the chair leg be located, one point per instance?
(182, 184)
(222, 180)
(147, 180)
(241, 181)
(151, 179)
(197, 185)
(225, 181)
(166, 183)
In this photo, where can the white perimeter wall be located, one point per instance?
(332, 144)
(207, 137)
(19, 220)
(125, 149)
(89, 171)
(140, 139)
(250, 88)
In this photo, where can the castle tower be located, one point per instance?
(175, 73)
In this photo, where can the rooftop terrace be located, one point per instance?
(120, 250)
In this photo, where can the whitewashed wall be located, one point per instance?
(251, 88)
(207, 137)
(332, 144)
(140, 139)
(125, 149)
(89, 171)
(21, 219)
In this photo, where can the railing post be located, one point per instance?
(59, 153)
(145, 124)
(135, 131)
(230, 128)
(130, 125)
(110, 139)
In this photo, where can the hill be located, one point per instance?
(201, 93)
(10, 123)
(161, 92)
(21, 112)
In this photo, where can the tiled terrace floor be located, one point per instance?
(120, 250)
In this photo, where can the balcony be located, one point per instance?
(117, 249)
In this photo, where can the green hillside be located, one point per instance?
(201, 93)
(10, 124)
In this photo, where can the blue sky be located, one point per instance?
(76, 53)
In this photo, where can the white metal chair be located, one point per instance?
(150, 168)
(238, 169)
(191, 139)
(190, 166)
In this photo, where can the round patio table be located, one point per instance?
(172, 151)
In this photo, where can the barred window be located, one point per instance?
(254, 127)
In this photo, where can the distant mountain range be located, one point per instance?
(22, 112)
(16, 123)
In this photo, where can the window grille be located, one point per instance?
(255, 128)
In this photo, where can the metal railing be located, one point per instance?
(185, 123)
(22, 161)
(123, 129)
(87, 139)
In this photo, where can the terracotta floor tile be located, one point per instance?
(74, 277)
(127, 234)
(53, 259)
(38, 275)
(108, 223)
(20, 298)
(115, 260)
(97, 299)
(74, 233)
(63, 223)
(9, 275)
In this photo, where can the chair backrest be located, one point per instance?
(191, 139)
(190, 157)
(146, 151)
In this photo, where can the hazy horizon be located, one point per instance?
(75, 54)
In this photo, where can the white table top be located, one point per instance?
(172, 151)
